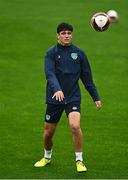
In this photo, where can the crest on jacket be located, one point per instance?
(74, 56)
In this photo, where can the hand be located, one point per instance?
(98, 104)
(59, 95)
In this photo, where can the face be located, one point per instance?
(65, 37)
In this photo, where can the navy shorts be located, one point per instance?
(54, 111)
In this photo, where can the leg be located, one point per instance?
(49, 131)
(74, 122)
(52, 117)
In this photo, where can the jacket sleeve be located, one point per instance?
(50, 72)
(87, 79)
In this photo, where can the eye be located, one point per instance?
(69, 33)
(63, 33)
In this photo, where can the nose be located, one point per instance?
(66, 35)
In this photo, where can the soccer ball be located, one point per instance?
(113, 15)
(100, 21)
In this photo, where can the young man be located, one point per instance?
(65, 64)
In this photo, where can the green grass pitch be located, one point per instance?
(27, 30)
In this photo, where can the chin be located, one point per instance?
(67, 43)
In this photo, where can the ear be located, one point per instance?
(57, 34)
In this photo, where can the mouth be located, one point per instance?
(67, 39)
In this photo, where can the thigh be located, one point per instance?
(73, 113)
(53, 113)
(72, 107)
(74, 119)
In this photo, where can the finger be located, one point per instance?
(56, 97)
(62, 97)
(53, 95)
(59, 98)
(98, 106)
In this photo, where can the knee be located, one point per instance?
(48, 133)
(75, 128)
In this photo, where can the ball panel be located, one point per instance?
(101, 20)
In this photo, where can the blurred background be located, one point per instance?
(27, 30)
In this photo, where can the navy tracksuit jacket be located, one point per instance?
(64, 66)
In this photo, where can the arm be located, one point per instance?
(87, 79)
(50, 72)
(51, 76)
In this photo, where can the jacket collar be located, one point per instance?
(63, 47)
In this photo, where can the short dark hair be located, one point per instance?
(64, 26)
